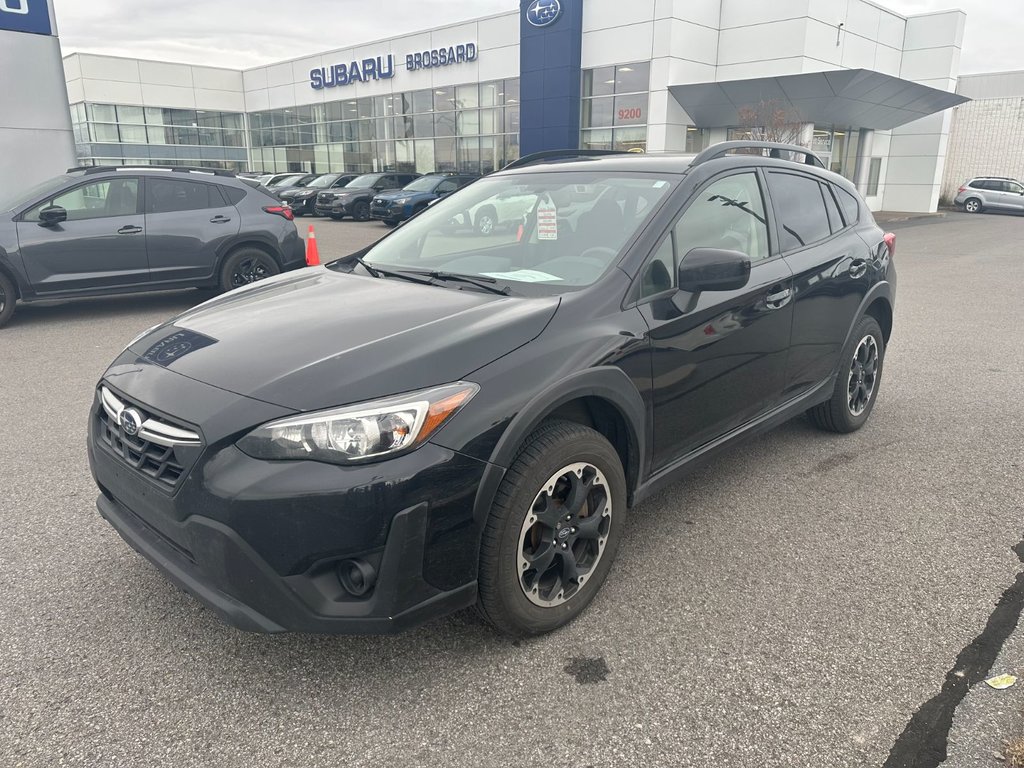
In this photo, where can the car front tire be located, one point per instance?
(553, 530)
(8, 297)
(860, 375)
(361, 211)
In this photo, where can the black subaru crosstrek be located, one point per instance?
(452, 418)
(106, 230)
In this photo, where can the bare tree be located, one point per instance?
(769, 121)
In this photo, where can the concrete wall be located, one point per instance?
(36, 140)
(986, 135)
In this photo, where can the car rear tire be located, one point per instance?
(553, 530)
(245, 266)
(972, 205)
(8, 298)
(361, 211)
(857, 384)
(486, 220)
(391, 222)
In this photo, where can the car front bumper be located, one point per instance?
(260, 542)
(389, 212)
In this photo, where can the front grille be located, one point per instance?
(156, 446)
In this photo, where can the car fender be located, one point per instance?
(883, 290)
(606, 382)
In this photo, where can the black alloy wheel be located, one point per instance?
(553, 530)
(863, 375)
(246, 266)
(856, 386)
(361, 211)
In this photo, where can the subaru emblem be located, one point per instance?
(542, 13)
(131, 421)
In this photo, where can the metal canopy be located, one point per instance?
(858, 98)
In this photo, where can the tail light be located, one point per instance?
(961, 190)
(280, 210)
(890, 243)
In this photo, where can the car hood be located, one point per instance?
(290, 191)
(320, 338)
(397, 194)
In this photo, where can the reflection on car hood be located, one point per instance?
(398, 194)
(319, 338)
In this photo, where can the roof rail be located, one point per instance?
(774, 148)
(560, 154)
(90, 169)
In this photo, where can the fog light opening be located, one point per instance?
(357, 577)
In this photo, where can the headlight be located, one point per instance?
(402, 200)
(374, 430)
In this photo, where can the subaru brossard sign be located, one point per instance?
(383, 67)
(25, 16)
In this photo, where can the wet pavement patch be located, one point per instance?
(924, 741)
(587, 670)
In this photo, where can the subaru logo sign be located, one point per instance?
(131, 422)
(542, 13)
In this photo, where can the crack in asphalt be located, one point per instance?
(924, 741)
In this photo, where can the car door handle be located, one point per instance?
(220, 219)
(129, 229)
(858, 268)
(778, 298)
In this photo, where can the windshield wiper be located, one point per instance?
(485, 283)
(374, 272)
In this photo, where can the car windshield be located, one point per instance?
(366, 180)
(559, 230)
(10, 202)
(323, 182)
(423, 184)
(286, 181)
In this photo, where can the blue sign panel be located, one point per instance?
(550, 51)
(25, 16)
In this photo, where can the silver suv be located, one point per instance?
(995, 192)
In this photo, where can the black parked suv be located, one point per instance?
(105, 230)
(354, 199)
(302, 199)
(400, 204)
(452, 418)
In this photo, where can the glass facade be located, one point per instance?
(108, 134)
(471, 128)
(614, 107)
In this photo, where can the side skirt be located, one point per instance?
(700, 456)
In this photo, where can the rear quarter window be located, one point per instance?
(850, 205)
(233, 195)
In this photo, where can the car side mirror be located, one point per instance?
(713, 269)
(52, 216)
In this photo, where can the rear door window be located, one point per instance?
(800, 209)
(173, 195)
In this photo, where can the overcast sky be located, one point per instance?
(246, 33)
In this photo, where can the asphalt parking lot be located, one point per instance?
(792, 605)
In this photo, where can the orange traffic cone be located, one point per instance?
(312, 251)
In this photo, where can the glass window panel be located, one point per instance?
(728, 214)
(511, 149)
(489, 94)
(405, 157)
(469, 123)
(490, 121)
(404, 127)
(208, 119)
(801, 209)
(232, 120)
(696, 140)
(133, 134)
(600, 139)
(598, 113)
(406, 106)
(115, 197)
(445, 155)
(423, 126)
(630, 78)
(835, 221)
(423, 101)
(425, 155)
(350, 109)
(444, 124)
(156, 135)
(365, 106)
(134, 115)
(512, 120)
(874, 174)
(444, 98)
(319, 113)
(335, 110)
(469, 155)
(467, 96)
(487, 155)
(105, 132)
(599, 82)
(337, 157)
(384, 128)
(631, 110)
(626, 139)
(105, 113)
(185, 117)
(321, 159)
(335, 132)
(511, 91)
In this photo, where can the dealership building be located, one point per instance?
(869, 90)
